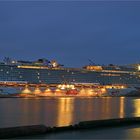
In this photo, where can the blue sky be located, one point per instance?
(71, 32)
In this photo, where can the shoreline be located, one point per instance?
(31, 130)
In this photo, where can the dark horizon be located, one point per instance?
(71, 32)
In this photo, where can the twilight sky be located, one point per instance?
(71, 32)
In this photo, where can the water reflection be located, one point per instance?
(60, 111)
(122, 107)
(136, 103)
(65, 111)
(133, 133)
(106, 112)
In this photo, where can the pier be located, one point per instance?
(21, 131)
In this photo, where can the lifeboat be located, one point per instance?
(72, 92)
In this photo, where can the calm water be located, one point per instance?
(64, 111)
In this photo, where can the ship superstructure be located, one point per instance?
(49, 72)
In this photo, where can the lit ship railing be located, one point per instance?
(74, 69)
(19, 82)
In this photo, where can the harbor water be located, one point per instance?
(64, 111)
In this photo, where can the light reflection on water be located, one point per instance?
(136, 103)
(64, 111)
(122, 107)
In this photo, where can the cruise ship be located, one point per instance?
(51, 72)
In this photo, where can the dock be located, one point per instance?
(20, 131)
